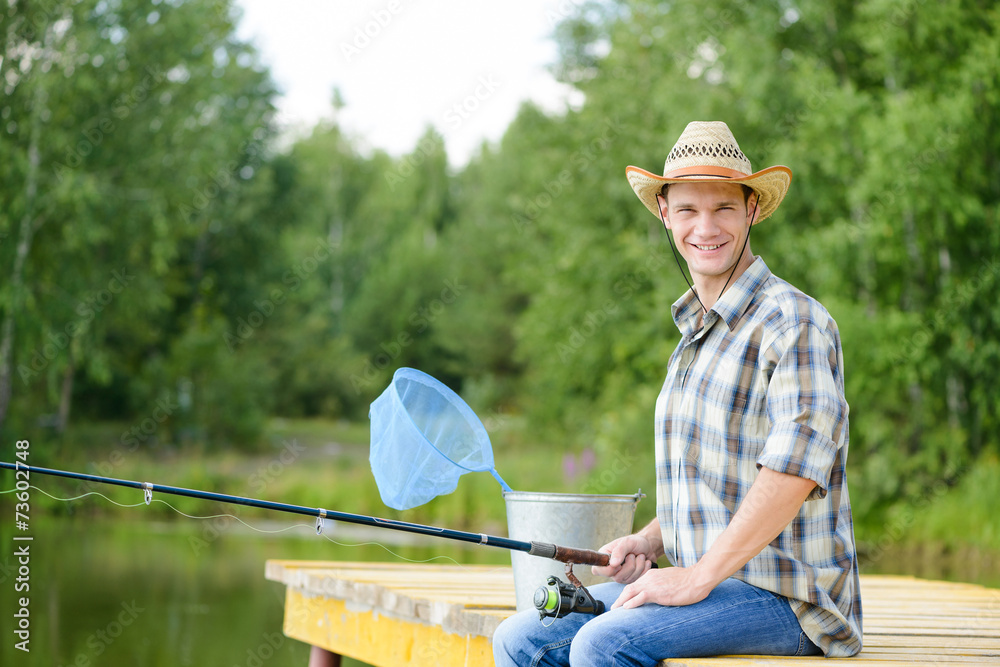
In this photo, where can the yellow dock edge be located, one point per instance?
(364, 634)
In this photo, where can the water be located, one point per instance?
(130, 592)
(185, 592)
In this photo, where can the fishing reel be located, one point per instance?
(557, 598)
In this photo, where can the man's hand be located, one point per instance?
(630, 556)
(672, 586)
(772, 502)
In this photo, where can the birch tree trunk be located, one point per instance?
(25, 234)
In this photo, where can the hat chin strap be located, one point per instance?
(673, 248)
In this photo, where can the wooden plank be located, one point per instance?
(908, 622)
(925, 641)
(918, 631)
(923, 650)
(857, 661)
(427, 606)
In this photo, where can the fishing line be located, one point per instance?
(579, 598)
(568, 555)
(66, 500)
(233, 516)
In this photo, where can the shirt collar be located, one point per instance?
(729, 307)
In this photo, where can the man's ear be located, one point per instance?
(664, 212)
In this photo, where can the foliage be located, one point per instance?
(129, 140)
(254, 282)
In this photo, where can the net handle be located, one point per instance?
(503, 484)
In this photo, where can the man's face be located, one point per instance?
(710, 222)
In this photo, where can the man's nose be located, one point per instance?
(706, 225)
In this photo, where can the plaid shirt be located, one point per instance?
(761, 384)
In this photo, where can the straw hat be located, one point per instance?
(707, 151)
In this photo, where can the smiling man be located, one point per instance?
(711, 222)
(751, 439)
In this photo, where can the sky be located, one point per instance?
(463, 67)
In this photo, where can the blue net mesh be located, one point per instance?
(423, 438)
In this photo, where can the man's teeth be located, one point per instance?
(706, 247)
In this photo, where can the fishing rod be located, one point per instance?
(569, 555)
(557, 598)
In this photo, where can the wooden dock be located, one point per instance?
(396, 615)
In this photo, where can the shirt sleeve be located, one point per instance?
(806, 406)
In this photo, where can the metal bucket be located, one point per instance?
(584, 521)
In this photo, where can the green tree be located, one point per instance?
(142, 125)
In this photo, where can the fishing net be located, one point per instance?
(423, 438)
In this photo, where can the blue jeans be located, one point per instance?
(735, 618)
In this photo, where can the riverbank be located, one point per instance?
(314, 463)
(947, 533)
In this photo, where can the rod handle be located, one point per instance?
(581, 556)
(568, 554)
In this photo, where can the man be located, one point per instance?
(751, 444)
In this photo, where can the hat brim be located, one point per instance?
(770, 184)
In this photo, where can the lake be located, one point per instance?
(186, 592)
(192, 592)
